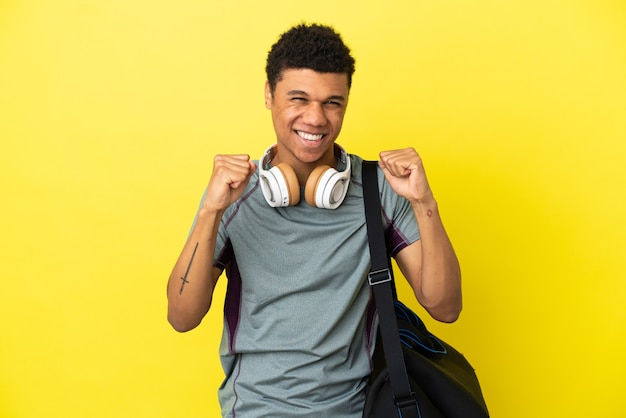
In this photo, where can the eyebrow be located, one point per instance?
(304, 93)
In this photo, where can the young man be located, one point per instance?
(297, 339)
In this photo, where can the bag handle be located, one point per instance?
(418, 338)
(381, 282)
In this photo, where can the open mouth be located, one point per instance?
(309, 136)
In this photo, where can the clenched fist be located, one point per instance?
(231, 174)
(405, 173)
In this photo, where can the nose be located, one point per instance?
(314, 115)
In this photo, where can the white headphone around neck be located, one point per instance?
(325, 187)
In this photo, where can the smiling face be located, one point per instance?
(307, 111)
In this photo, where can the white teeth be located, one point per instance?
(310, 137)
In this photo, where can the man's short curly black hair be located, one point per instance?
(316, 47)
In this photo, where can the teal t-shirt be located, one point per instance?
(299, 323)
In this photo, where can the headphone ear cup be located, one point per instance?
(291, 183)
(326, 187)
(310, 189)
(279, 185)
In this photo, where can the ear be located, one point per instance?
(268, 95)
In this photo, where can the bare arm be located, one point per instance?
(193, 278)
(430, 264)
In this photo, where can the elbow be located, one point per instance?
(449, 316)
(181, 324)
(184, 316)
(443, 306)
(448, 313)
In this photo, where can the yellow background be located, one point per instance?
(111, 112)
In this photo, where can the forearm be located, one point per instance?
(429, 264)
(193, 278)
(439, 289)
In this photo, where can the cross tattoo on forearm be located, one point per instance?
(184, 278)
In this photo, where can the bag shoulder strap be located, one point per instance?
(381, 282)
